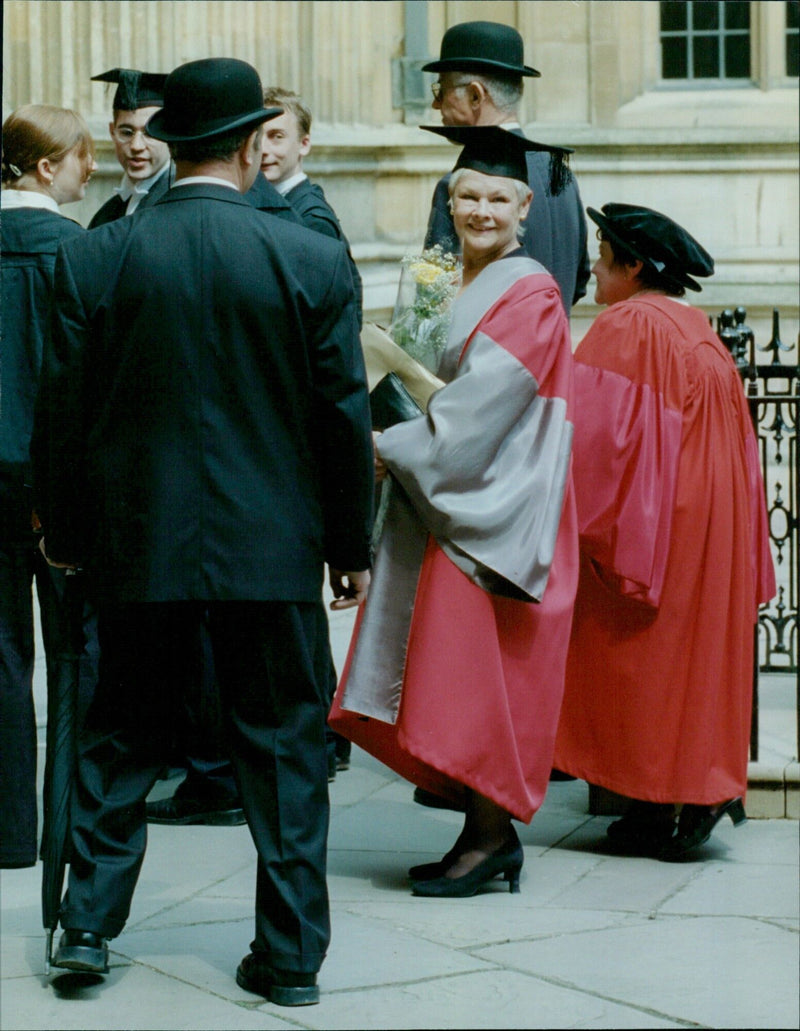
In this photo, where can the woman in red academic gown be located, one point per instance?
(456, 670)
(674, 547)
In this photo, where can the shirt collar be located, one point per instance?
(10, 199)
(290, 183)
(192, 180)
(127, 188)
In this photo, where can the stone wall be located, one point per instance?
(722, 161)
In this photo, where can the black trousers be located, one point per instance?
(21, 563)
(270, 661)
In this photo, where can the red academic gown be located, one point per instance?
(674, 560)
(480, 675)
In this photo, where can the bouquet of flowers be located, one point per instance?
(428, 284)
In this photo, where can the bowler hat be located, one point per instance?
(210, 97)
(481, 46)
(656, 240)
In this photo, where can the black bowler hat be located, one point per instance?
(657, 241)
(496, 151)
(135, 89)
(210, 97)
(481, 46)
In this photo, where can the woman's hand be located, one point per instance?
(381, 468)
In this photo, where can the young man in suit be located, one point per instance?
(287, 140)
(481, 71)
(210, 450)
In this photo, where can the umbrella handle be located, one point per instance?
(48, 950)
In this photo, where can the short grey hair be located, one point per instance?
(522, 188)
(504, 91)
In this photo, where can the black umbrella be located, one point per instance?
(63, 676)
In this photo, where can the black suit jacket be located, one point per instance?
(555, 229)
(211, 434)
(115, 206)
(308, 200)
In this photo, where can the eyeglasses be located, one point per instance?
(438, 89)
(126, 134)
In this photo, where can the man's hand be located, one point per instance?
(55, 565)
(349, 593)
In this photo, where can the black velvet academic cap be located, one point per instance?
(656, 240)
(135, 89)
(495, 151)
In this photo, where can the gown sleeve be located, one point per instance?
(486, 468)
(628, 427)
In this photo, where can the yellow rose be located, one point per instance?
(425, 273)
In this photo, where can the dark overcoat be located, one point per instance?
(309, 201)
(210, 438)
(115, 206)
(30, 241)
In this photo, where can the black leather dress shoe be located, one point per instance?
(645, 829)
(427, 798)
(283, 987)
(180, 812)
(82, 950)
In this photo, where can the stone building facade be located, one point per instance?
(688, 108)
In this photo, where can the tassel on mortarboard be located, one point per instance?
(496, 151)
(135, 89)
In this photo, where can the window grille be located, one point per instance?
(793, 38)
(705, 39)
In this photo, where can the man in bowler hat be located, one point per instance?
(210, 450)
(481, 71)
(208, 794)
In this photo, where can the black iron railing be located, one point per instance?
(773, 394)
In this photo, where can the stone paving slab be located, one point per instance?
(492, 999)
(593, 940)
(756, 890)
(132, 996)
(736, 973)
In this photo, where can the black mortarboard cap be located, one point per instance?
(656, 240)
(496, 151)
(134, 88)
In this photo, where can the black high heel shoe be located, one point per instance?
(507, 860)
(429, 871)
(695, 826)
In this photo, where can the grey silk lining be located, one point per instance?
(486, 470)
(375, 679)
